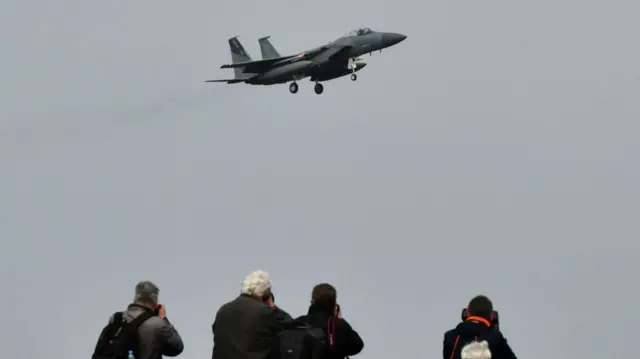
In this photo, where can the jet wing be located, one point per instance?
(339, 51)
(333, 53)
(258, 65)
(229, 81)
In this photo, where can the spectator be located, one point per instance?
(246, 328)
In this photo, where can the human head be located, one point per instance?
(324, 296)
(258, 285)
(146, 294)
(480, 306)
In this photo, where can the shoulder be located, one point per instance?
(495, 335)
(243, 301)
(240, 303)
(226, 306)
(344, 323)
(449, 335)
(113, 317)
(154, 324)
(302, 320)
(251, 307)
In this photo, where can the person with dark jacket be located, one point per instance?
(156, 335)
(283, 317)
(476, 327)
(323, 306)
(246, 328)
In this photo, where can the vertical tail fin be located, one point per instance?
(268, 51)
(238, 54)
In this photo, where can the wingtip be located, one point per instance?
(264, 38)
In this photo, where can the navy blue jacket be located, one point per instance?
(467, 331)
(347, 340)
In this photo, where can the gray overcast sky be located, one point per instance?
(495, 151)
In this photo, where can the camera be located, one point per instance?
(494, 320)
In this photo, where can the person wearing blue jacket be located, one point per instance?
(471, 338)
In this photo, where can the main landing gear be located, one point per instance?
(318, 88)
(354, 77)
(293, 88)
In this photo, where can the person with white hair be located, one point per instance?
(246, 327)
(478, 336)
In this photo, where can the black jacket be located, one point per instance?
(347, 340)
(245, 328)
(467, 332)
(282, 316)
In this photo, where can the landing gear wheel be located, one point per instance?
(354, 77)
(318, 88)
(293, 88)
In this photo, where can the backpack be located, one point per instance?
(476, 350)
(473, 349)
(305, 342)
(119, 336)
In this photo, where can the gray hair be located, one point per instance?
(147, 292)
(256, 284)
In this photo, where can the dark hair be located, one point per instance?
(481, 306)
(324, 295)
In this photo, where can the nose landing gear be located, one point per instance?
(352, 65)
(318, 88)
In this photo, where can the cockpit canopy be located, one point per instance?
(360, 32)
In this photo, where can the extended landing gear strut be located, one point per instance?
(352, 65)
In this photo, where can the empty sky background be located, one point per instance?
(495, 151)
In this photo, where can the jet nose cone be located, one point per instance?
(391, 38)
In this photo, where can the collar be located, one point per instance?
(139, 306)
(478, 319)
(313, 308)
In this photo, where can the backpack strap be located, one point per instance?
(331, 331)
(129, 333)
(131, 329)
(332, 325)
(455, 345)
(141, 318)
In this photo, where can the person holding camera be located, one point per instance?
(246, 327)
(142, 331)
(478, 335)
(325, 313)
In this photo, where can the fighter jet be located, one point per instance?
(338, 58)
